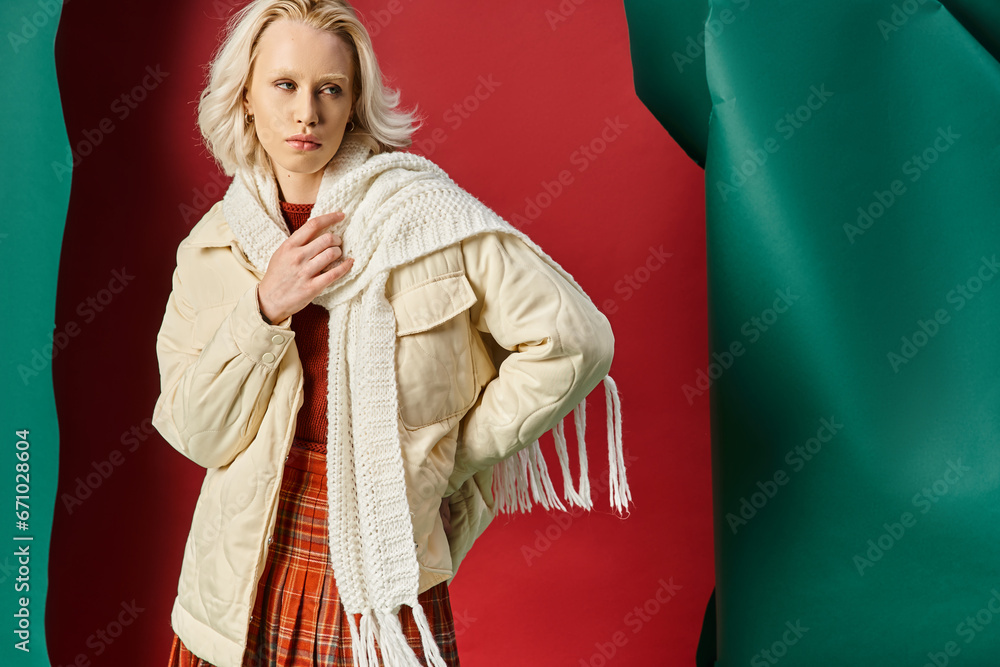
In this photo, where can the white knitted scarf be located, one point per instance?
(399, 207)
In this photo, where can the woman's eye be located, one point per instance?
(288, 85)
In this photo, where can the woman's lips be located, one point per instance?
(302, 145)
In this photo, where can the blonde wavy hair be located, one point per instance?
(378, 121)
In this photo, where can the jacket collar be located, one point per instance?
(212, 231)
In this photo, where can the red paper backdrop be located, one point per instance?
(542, 589)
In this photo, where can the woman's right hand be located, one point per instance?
(304, 265)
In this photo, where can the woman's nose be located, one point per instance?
(306, 109)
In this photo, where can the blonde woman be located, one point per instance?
(352, 343)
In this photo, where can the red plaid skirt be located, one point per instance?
(298, 619)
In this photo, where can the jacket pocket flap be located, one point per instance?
(427, 305)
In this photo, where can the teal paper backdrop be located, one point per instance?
(34, 202)
(852, 165)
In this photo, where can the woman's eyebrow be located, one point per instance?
(295, 75)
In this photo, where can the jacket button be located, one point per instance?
(269, 540)
(277, 340)
(267, 358)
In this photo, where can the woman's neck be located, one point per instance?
(298, 188)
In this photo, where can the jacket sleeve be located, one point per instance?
(560, 348)
(213, 393)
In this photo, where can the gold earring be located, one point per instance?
(247, 118)
(352, 126)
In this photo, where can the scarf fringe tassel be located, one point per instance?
(384, 631)
(359, 654)
(523, 479)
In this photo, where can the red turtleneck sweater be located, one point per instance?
(311, 327)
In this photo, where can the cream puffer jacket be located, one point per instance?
(231, 386)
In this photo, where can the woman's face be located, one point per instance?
(301, 85)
